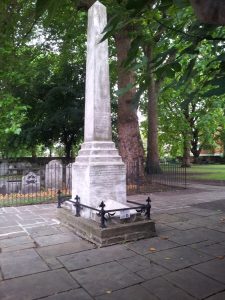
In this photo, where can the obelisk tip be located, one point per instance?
(97, 3)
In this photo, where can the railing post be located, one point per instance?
(77, 206)
(102, 215)
(59, 198)
(148, 209)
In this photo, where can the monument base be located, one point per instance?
(118, 231)
(98, 174)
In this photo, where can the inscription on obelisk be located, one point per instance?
(98, 173)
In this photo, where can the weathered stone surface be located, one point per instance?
(135, 292)
(156, 243)
(164, 290)
(179, 258)
(94, 257)
(69, 176)
(37, 285)
(98, 172)
(64, 249)
(31, 183)
(10, 242)
(192, 236)
(78, 294)
(214, 269)
(55, 239)
(115, 233)
(195, 283)
(108, 277)
(54, 175)
(21, 263)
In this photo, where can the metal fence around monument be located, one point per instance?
(170, 175)
(23, 184)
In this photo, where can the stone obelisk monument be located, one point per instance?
(98, 172)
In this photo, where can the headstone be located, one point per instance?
(69, 177)
(30, 183)
(98, 172)
(4, 168)
(54, 175)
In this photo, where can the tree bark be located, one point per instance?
(186, 161)
(129, 138)
(152, 163)
(210, 11)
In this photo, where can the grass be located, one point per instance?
(206, 172)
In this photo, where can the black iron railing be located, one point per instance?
(102, 212)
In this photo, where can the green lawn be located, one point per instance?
(208, 172)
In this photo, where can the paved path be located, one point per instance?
(40, 259)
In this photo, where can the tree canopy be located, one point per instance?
(174, 72)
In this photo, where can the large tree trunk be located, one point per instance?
(210, 11)
(130, 143)
(152, 164)
(195, 148)
(186, 161)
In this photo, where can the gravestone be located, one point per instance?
(4, 168)
(98, 172)
(54, 175)
(30, 183)
(69, 176)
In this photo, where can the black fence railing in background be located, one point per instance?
(168, 175)
(23, 183)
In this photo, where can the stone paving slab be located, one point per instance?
(42, 230)
(9, 242)
(192, 236)
(20, 263)
(142, 266)
(164, 290)
(19, 247)
(214, 269)
(55, 239)
(64, 249)
(217, 250)
(94, 257)
(37, 285)
(146, 246)
(220, 296)
(135, 292)
(179, 258)
(195, 283)
(78, 294)
(105, 278)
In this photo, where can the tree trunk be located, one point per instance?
(129, 138)
(195, 149)
(210, 11)
(152, 165)
(186, 161)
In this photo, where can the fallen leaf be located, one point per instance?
(108, 292)
(220, 257)
(152, 249)
(164, 237)
(167, 258)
